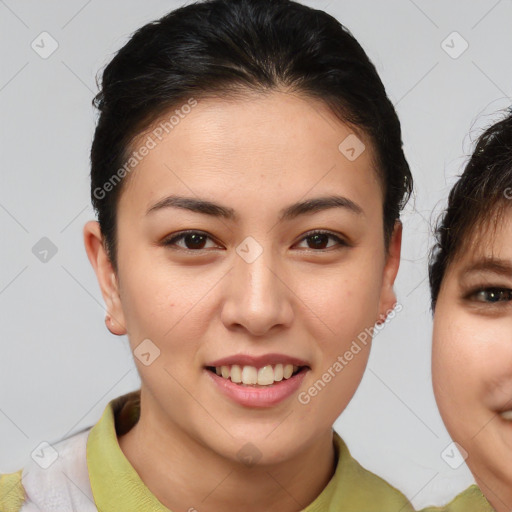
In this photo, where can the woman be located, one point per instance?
(248, 175)
(471, 285)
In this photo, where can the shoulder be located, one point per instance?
(366, 490)
(54, 478)
(470, 500)
(12, 492)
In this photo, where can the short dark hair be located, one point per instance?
(476, 201)
(223, 48)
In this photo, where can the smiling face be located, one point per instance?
(224, 275)
(472, 358)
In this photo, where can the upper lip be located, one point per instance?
(257, 361)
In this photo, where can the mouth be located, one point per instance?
(257, 382)
(506, 415)
(251, 376)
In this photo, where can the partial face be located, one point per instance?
(247, 285)
(472, 360)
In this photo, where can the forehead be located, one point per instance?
(270, 145)
(489, 241)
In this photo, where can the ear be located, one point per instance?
(107, 279)
(388, 297)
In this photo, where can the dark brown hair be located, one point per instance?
(225, 47)
(476, 201)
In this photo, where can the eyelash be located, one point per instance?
(171, 241)
(491, 289)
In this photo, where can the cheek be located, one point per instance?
(348, 306)
(154, 299)
(345, 299)
(456, 363)
(469, 353)
(456, 375)
(349, 311)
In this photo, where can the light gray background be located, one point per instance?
(59, 366)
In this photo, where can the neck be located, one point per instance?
(185, 474)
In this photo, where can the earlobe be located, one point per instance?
(98, 257)
(388, 298)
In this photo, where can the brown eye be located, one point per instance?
(319, 239)
(192, 240)
(196, 240)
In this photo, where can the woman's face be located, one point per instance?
(252, 288)
(472, 359)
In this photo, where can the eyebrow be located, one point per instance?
(492, 265)
(293, 211)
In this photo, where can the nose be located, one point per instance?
(258, 297)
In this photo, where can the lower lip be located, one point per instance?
(249, 396)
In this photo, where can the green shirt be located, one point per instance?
(104, 480)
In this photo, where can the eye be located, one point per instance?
(492, 295)
(193, 240)
(319, 238)
(196, 240)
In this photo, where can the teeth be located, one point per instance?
(507, 415)
(249, 375)
(236, 374)
(266, 376)
(278, 372)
